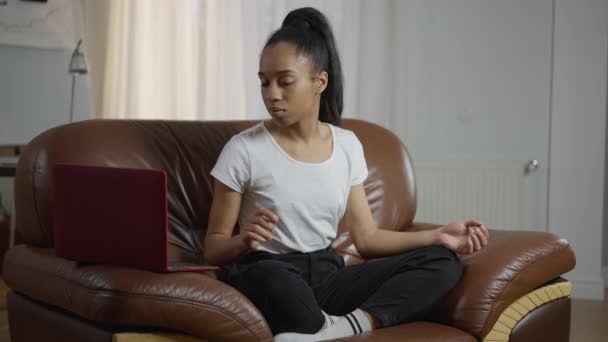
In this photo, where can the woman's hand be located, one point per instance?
(466, 236)
(258, 228)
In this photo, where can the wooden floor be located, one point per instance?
(589, 319)
(4, 334)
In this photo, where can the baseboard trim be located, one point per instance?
(588, 289)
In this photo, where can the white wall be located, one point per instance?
(34, 96)
(35, 92)
(578, 128)
(473, 83)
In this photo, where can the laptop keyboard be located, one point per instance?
(179, 264)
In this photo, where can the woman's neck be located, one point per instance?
(304, 131)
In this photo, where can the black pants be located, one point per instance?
(291, 289)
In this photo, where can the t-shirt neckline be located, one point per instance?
(278, 147)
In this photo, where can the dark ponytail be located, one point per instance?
(309, 30)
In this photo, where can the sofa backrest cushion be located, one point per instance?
(187, 151)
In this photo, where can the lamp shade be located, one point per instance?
(78, 65)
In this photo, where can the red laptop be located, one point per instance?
(114, 216)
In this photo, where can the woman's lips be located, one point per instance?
(276, 111)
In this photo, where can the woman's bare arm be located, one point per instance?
(459, 236)
(220, 246)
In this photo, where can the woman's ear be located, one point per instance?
(322, 82)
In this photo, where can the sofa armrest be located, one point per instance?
(509, 267)
(513, 264)
(193, 303)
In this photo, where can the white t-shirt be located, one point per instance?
(309, 198)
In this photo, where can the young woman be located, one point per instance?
(289, 180)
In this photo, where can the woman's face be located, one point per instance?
(291, 90)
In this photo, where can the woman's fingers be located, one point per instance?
(473, 223)
(272, 217)
(481, 235)
(467, 246)
(475, 239)
(254, 237)
(485, 232)
(261, 228)
(262, 222)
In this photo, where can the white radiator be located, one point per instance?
(489, 191)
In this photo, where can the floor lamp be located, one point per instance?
(78, 66)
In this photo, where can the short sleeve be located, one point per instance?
(233, 167)
(358, 164)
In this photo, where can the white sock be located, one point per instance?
(351, 324)
(329, 320)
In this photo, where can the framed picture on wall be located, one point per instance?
(37, 23)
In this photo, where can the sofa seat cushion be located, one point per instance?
(193, 303)
(415, 332)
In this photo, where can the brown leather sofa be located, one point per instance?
(510, 291)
